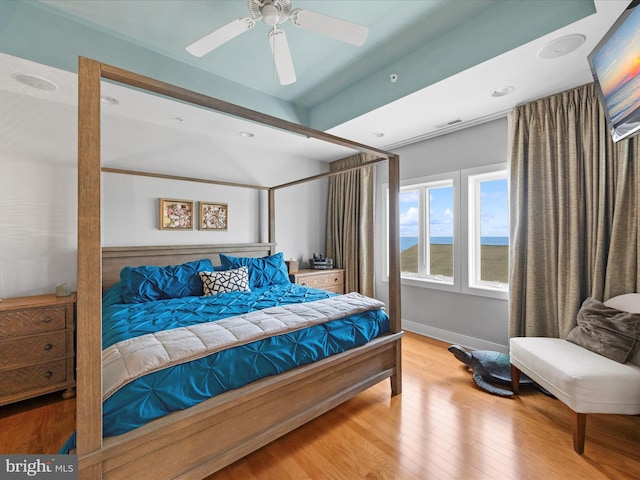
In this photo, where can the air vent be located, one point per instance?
(448, 124)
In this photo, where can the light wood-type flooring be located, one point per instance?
(441, 427)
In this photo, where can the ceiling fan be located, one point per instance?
(274, 13)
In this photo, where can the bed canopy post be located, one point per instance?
(89, 306)
(272, 216)
(394, 264)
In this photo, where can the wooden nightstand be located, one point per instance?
(37, 353)
(330, 280)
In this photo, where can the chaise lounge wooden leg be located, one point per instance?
(515, 379)
(579, 427)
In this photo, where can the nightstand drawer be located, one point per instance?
(33, 320)
(335, 289)
(324, 280)
(34, 349)
(330, 280)
(33, 377)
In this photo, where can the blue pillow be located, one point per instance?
(263, 272)
(149, 283)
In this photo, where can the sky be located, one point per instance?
(494, 211)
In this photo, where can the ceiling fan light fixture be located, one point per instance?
(270, 15)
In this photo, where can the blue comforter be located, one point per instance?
(183, 386)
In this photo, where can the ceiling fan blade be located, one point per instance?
(337, 28)
(220, 36)
(282, 56)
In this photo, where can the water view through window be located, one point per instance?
(427, 213)
(494, 231)
(427, 221)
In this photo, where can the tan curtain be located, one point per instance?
(574, 212)
(350, 223)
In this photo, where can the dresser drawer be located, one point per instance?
(32, 320)
(43, 375)
(37, 350)
(33, 349)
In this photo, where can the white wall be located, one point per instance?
(473, 321)
(38, 230)
(131, 212)
(38, 241)
(301, 219)
(38, 194)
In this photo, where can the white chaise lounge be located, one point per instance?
(585, 381)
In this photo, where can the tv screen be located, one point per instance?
(615, 64)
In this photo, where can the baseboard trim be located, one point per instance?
(452, 337)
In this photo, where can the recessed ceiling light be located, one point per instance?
(503, 91)
(109, 100)
(246, 134)
(178, 119)
(561, 46)
(376, 134)
(35, 81)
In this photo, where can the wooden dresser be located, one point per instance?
(330, 280)
(37, 353)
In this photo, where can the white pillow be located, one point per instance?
(628, 302)
(223, 281)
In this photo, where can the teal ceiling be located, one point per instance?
(423, 41)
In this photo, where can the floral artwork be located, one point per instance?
(176, 214)
(213, 216)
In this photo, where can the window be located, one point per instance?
(457, 249)
(487, 231)
(428, 230)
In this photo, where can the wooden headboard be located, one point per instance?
(115, 258)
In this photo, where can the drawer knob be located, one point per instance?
(48, 346)
(49, 374)
(47, 319)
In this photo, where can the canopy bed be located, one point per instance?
(197, 440)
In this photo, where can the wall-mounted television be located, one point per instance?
(615, 64)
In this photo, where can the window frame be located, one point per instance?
(433, 181)
(470, 226)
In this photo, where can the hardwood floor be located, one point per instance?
(37, 425)
(441, 427)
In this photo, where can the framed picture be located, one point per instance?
(176, 214)
(213, 216)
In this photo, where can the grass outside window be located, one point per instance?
(494, 263)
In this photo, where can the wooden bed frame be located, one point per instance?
(196, 442)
